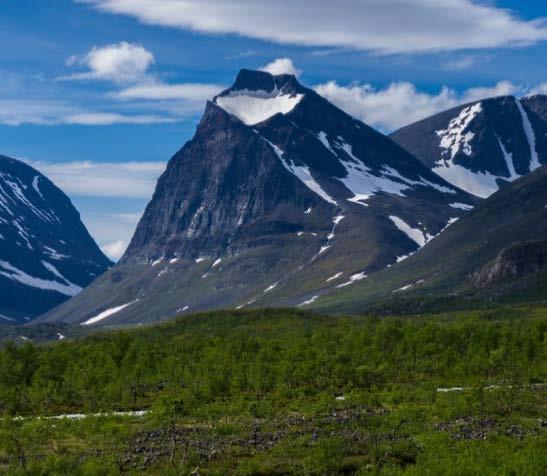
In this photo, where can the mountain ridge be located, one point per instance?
(482, 145)
(47, 255)
(447, 268)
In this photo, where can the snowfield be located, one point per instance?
(253, 107)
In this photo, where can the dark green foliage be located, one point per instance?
(234, 377)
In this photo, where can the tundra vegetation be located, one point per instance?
(283, 392)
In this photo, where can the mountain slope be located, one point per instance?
(483, 145)
(495, 252)
(279, 197)
(46, 254)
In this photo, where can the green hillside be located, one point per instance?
(441, 275)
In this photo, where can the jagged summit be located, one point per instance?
(278, 198)
(253, 80)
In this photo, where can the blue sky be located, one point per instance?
(99, 94)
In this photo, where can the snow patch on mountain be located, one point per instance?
(303, 173)
(54, 254)
(107, 313)
(529, 131)
(322, 136)
(353, 279)
(363, 182)
(456, 138)
(480, 184)
(309, 301)
(462, 206)
(420, 237)
(337, 219)
(270, 288)
(335, 276)
(508, 156)
(15, 274)
(36, 187)
(253, 107)
(17, 193)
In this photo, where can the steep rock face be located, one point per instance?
(221, 193)
(46, 254)
(483, 145)
(516, 262)
(279, 197)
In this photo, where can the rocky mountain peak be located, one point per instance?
(279, 197)
(481, 146)
(252, 80)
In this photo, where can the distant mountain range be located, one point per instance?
(279, 197)
(481, 146)
(282, 199)
(46, 254)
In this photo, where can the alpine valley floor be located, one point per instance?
(282, 392)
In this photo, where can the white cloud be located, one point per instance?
(15, 112)
(119, 62)
(111, 231)
(282, 66)
(108, 118)
(114, 250)
(397, 26)
(387, 109)
(503, 88)
(128, 65)
(401, 103)
(103, 179)
(539, 89)
(161, 91)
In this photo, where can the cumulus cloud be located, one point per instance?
(128, 65)
(119, 62)
(103, 179)
(281, 66)
(400, 103)
(503, 88)
(539, 89)
(397, 26)
(111, 231)
(114, 250)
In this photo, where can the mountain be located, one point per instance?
(483, 145)
(46, 253)
(279, 197)
(498, 252)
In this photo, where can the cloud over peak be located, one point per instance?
(281, 66)
(400, 103)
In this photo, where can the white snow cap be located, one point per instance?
(259, 95)
(253, 107)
